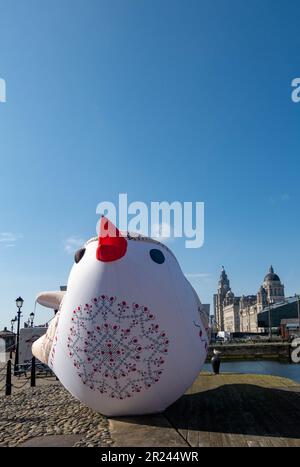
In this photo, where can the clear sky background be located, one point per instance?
(163, 100)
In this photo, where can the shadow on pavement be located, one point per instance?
(233, 408)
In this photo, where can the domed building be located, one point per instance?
(273, 287)
(239, 314)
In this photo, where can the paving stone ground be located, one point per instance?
(218, 410)
(50, 411)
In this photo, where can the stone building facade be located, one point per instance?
(248, 313)
(219, 298)
(239, 313)
(231, 308)
(7, 340)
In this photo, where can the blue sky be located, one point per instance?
(163, 100)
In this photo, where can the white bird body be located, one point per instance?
(128, 338)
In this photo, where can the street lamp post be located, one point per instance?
(19, 303)
(270, 328)
(12, 330)
(31, 319)
(12, 324)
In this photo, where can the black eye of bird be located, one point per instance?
(157, 256)
(79, 254)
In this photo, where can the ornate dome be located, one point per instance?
(271, 276)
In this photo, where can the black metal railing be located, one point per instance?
(8, 371)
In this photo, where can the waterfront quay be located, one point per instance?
(228, 409)
(280, 351)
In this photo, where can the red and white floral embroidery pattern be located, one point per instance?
(202, 338)
(117, 348)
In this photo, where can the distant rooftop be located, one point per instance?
(6, 333)
(287, 300)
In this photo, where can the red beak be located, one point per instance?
(111, 244)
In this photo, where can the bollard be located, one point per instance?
(32, 374)
(216, 361)
(8, 379)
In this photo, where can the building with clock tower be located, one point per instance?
(239, 313)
